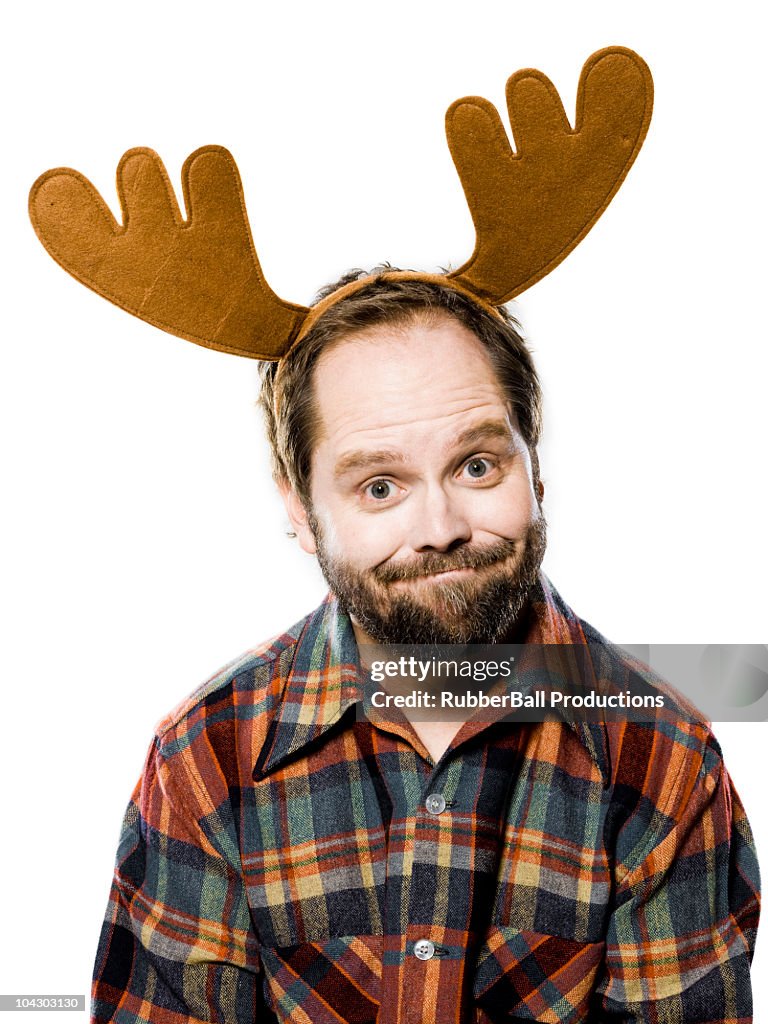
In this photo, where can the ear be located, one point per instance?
(297, 514)
(538, 483)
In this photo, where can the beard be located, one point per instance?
(478, 608)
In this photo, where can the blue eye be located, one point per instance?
(380, 490)
(477, 468)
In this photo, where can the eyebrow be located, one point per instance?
(356, 460)
(488, 431)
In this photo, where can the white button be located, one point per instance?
(435, 803)
(424, 949)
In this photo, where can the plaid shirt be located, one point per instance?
(280, 860)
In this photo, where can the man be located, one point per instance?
(284, 858)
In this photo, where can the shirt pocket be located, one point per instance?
(331, 981)
(529, 975)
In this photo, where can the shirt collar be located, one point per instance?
(553, 622)
(314, 687)
(321, 678)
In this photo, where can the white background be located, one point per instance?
(143, 545)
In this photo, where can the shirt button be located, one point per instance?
(424, 949)
(435, 803)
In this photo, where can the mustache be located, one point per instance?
(436, 561)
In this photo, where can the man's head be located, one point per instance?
(403, 429)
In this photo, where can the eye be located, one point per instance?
(380, 490)
(477, 468)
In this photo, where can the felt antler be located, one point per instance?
(200, 280)
(532, 207)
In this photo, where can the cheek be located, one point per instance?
(506, 511)
(363, 541)
(378, 538)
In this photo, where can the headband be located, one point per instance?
(200, 278)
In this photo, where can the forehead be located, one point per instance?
(403, 384)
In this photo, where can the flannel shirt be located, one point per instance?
(280, 860)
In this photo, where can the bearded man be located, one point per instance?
(284, 858)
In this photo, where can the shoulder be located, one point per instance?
(644, 747)
(661, 758)
(617, 665)
(237, 699)
(253, 670)
(206, 747)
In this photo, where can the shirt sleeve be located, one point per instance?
(177, 943)
(682, 932)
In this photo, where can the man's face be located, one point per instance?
(425, 515)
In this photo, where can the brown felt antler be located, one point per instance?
(200, 278)
(532, 207)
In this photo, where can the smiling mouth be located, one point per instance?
(437, 569)
(450, 573)
(444, 575)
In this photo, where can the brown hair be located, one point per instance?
(287, 393)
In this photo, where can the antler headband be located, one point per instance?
(201, 279)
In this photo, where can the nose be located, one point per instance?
(440, 522)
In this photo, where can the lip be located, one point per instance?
(445, 575)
